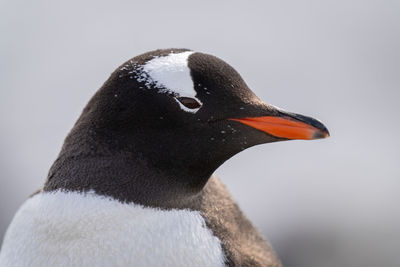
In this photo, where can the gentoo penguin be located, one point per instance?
(133, 184)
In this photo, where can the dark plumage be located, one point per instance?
(135, 144)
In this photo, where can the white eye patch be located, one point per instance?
(172, 74)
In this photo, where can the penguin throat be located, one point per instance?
(126, 178)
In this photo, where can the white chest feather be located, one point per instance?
(74, 229)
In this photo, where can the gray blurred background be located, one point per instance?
(332, 202)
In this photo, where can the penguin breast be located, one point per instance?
(85, 229)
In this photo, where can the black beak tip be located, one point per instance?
(322, 130)
(321, 134)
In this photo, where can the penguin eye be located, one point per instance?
(188, 102)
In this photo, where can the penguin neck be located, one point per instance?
(130, 173)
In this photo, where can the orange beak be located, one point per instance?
(289, 127)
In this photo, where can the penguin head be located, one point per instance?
(182, 113)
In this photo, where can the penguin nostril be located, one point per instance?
(188, 102)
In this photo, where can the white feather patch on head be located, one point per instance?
(77, 229)
(172, 73)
